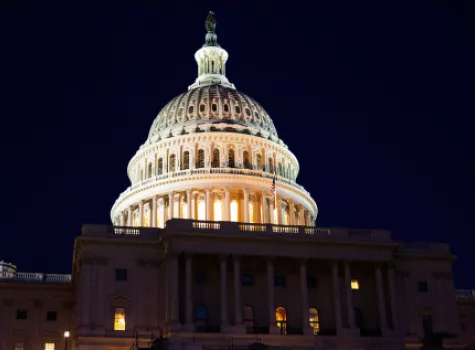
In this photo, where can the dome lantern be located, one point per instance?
(211, 58)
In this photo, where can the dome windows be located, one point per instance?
(190, 109)
(202, 108)
(237, 109)
(214, 107)
(226, 108)
(247, 111)
(201, 159)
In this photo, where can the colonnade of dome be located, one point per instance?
(213, 153)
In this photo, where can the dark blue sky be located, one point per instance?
(374, 98)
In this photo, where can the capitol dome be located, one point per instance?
(213, 154)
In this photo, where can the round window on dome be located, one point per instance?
(237, 109)
(190, 109)
(202, 108)
(226, 108)
(214, 107)
(248, 112)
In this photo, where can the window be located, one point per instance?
(231, 158)
(248, 111)
(247, 279)
(186, 160)
(280, 280)
(248, 317)
(201, 210)
(237, 109)
(259, 162)
(51, 316)
(172, 162)
(226, 108)
(214, 107)
(427, 324)
(355, 284)
(21, 314)
(247, 163)
(190, 109)
(201, 159)
(281, 170)
(160, 166)
(149, 172)
(215, 158)
(184, 210)
(281, 319)
(218, 210)
(200, 278)
(422, 286)
(121, 274)
(19, 345)
(119, 319)
(49, 346)
(358, 318)
(234, 211)
(202, 108)
(313, 320)
(311, 282)
(201, 315)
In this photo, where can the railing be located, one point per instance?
(199, 171)
(35, 277)
(465, 294)
(120, 231)
(424, 248)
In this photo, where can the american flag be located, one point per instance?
(272, 187)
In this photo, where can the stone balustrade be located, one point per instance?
(34, 277)
(465, 294)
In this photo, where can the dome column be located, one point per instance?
(272, 218)
(140, 213)
(246, 205)
(208, 203)
(291, 212)
(227, 204)
(122, 218)
(188, 203)
(170, 206)
(161, 205)
(301, 216)
(154, 212)
(129, 216)
(279, 210)
(263, 208)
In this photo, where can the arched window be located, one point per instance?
(186, 160)
(149, 170)
(172, 163)
(215, 158)
(248, 318)
(359, 318)
(281, 319)
(259, 161)
(160, 166)
(201, 159)
(314, 320)
(201, 210)
(218, 210)
(231, 158)
(270, 165)
(247, 163)
(234, 211)
(201, 315)
(252, 215)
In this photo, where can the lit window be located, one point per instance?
(136, 217)
(19, 345)
(184, 210)
(281, 319)
(218, 211)
(146, 216)
(201, 159)
(355, 284)
(186, 160)
(313, 320)
(201, 210)
(161, 213)
(234, 211)
(251, 212)
(119, 319)
(176, 209)
(49, 346)
(215, 158)
(172, 163)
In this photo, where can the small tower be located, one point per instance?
(211, 58)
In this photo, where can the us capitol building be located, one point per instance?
(214, 246)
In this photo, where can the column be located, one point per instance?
(224, 290)
(188, 286)
(162, 211)
(304, 298)
(349, 296)
(392, 296)
(246, 205)
(129, 216)
(141, 213)
(271, 211)
(208, 203)
(336, 296)
(193, 206)
(154, 212)
(237, 291)
(279, 211)
(273, 329)
(264, 213)
(121, 219)
(170, 206)
(301, 216)
(307, 218)
(291, 212)
(188, 202)
(381, 305)
(227, 204)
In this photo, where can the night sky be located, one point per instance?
(375, 99)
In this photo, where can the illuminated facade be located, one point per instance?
(204, 254)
